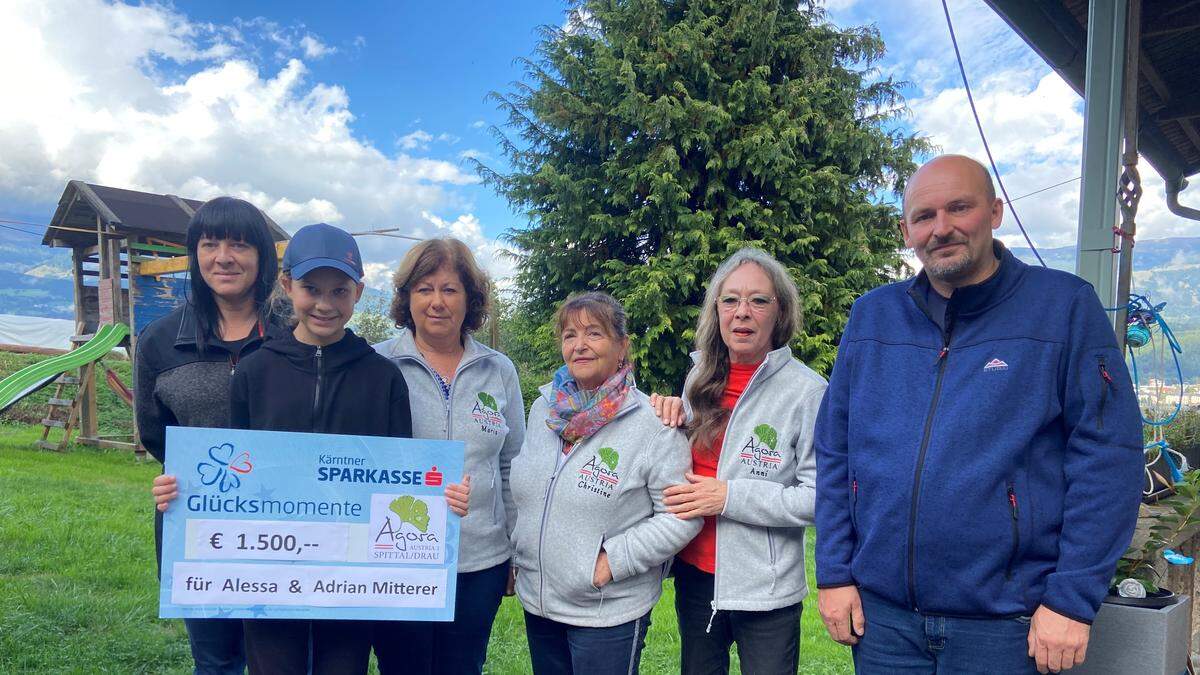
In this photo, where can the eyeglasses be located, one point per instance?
(757, 302)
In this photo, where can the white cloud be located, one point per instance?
(421, 140)
(417, 140)
(478, 124)
(492, 254)
(472, 153)
(95, 104)
(314, 48)
(379, 275)
(1032, 118)
(839, 5)
(1035, 133)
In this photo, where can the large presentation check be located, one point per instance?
(282, 525)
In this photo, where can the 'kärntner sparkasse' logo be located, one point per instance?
(224, 468)
(407, 528)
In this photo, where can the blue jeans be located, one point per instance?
(899, 640)
(216, 646)
(457, 647)
(561, 649)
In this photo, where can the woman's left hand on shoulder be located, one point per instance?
(669, 409)
(458, 496)
(700, 496)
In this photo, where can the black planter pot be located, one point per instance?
(1156, 600)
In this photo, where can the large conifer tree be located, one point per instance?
(652, 138)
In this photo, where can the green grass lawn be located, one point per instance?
(77, 584)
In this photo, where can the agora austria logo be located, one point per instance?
(225, 467)
(407, 528)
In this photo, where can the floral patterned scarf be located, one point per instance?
(576, 414)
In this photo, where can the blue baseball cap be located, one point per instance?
(322, 245)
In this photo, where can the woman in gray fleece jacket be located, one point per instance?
(753, 406)
(593, 539)
(460, 390)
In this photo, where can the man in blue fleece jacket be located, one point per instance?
(978, 452)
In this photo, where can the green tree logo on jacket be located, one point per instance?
(759, 452)
(486, 399)
(599, 474)
(486, 413)
(610, 458)
(766, 435)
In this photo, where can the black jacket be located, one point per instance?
(342, 388)
(176, 385)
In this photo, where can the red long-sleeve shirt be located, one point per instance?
(702, 551)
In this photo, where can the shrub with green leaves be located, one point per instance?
(1177, 513)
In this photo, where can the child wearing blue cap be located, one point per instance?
(320, 377)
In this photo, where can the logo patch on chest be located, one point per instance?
(759, 453)
(995, 365)
(486, 414)
(599, 474)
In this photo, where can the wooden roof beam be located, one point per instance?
(96, 203)
(1182, 18)
(1147, 69)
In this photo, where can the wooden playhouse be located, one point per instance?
(129, 267)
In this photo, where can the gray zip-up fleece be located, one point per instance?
(607, 493)
(486, 412)
(768, 463)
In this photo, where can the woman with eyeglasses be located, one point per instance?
(751, 407)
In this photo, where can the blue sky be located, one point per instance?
(412, 69)
(361, 114)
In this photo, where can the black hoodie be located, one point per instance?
(342, 388)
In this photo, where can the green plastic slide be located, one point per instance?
(31, 378)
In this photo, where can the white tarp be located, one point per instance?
(35, 331)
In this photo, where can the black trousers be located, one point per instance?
(457, 647)
(768, 642)
(289, 646)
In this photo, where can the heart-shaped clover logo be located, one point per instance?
(224, 469)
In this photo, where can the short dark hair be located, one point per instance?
(601, 306)
(428, 257)
(228, 218)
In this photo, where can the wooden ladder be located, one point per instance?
(69, 406)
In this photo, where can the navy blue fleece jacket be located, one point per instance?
(985, 466)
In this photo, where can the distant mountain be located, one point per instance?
(35, 280)
(1164, 270)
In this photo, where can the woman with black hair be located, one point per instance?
(185, 360)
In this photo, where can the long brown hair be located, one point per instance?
(706, 383)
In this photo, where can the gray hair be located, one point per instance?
(707, 384)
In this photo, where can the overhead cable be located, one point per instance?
(983, 137)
